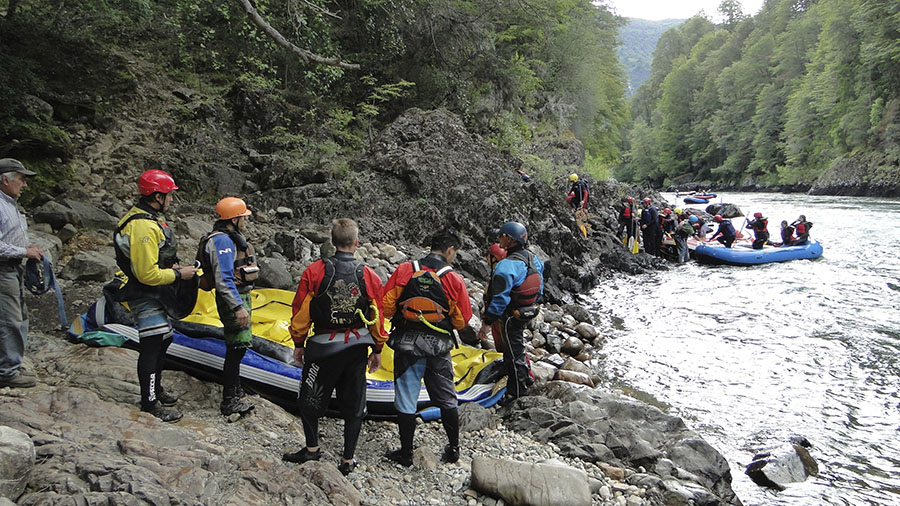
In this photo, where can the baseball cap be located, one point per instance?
(13, 165)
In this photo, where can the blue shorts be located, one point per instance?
(151, 318)
(408, 373)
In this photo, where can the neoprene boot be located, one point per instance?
(232, 404)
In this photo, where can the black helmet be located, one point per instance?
(515, 231)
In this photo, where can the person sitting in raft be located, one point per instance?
(787, 234)
(726, 233)
(801, 226)
(759, 225)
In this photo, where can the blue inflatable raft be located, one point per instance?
(716, 253)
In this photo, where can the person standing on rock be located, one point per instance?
(426, 301)
(146, 252)
(516, 287)
(229, 266)
(650, 227)
(14, 246)
(339, 298)
(578, 192)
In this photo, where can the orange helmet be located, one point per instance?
(232, 207)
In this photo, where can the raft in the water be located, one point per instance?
(743, 254)
(699, 199)
(198, 348)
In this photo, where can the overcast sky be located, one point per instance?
(674, 9)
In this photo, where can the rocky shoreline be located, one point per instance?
(94, 446)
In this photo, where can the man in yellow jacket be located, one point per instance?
(147, 254)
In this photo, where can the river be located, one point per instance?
(750, 356)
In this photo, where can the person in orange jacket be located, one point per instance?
(339, 298)
(427, 302)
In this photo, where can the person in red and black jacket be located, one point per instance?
(760, 227)
(422, 344)
(801, 226)
(339, 298)
(627, 216)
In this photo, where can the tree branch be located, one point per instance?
(279, 39)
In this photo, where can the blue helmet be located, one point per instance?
(693, 219)
(516, 231)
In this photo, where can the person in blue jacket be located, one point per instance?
(229, 266)
(726, 233)
(652, 232)
(516, 287)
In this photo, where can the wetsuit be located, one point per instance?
(651, 230)
(579, 192)
(760, 232)
(516, 286)
(222, 247)
(725, 234)
(146, 252)
(421, 351)
(335, 356)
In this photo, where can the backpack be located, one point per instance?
(423, 301)
(341, 297)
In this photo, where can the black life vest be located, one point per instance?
(423, 298)
(340, 295)
(246, 271)
(529, 291)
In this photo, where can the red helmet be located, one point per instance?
(630, 200)
(153, 181)
(667, 211)
(757, 215)
(647, 200)
(717, 218)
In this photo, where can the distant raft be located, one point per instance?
(743, 254)
(699, 199)
(199, 349)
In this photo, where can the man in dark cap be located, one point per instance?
(14, 246)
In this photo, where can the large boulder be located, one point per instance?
(724, 210)
(274, 273)
(90, 266)
(17, 457)
(595, 425)
(778, 467)
(550, 484)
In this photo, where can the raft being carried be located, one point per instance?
(198, 348)
(743, 254)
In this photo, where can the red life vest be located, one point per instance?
(526, 293)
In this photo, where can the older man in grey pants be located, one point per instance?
(14, 246)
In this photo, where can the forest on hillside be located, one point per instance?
(802, 90)
(514, 71)
(639, 38)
